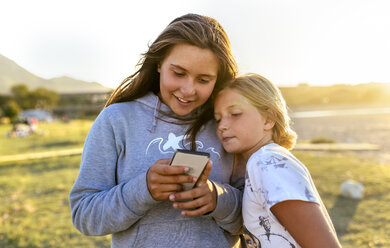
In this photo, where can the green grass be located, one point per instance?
(359, 223)
(321, 140)
(34, 209)
(52, 136)
(34, 206)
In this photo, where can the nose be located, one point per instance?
(188, 87)
(223, 124)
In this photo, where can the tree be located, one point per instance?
(43, 98)
(11, 109)
(20, 93)
(39, 98)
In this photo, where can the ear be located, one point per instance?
(268, 124)
(158, 67)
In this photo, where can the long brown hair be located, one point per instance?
(201, 31)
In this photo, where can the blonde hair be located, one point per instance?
(268, 100)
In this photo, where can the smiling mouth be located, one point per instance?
(182, 100)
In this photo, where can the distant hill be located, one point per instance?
(12, 74)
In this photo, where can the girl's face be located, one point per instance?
(187, 77)
(241, 128)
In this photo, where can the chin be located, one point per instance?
(230, 149)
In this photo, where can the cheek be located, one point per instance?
(166, 82)
(206, 90)
(243, 131)
(218, 134)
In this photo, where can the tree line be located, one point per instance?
(361, 94)
(22, 98)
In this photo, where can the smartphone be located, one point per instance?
(196, 162)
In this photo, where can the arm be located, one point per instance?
(306, 223)
(99, 205)
(231, 219)
(284, 186)
(227, 213)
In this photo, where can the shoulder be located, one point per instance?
(274, 157)
(114, 113)
(281, 176)
(139, 105)
(273, 165)
(268, 156)
(116, 107)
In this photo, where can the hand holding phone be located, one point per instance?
(194, 160)
(201, 199)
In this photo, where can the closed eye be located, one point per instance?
(204, 81)
(179, 74)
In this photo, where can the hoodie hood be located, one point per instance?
(164, 113)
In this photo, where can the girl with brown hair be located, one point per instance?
(126, 187)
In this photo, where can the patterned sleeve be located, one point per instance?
(281, 178)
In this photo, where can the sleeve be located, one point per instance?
(227, 213)
(282, 178)
(98, 204)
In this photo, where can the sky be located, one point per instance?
(289, 42)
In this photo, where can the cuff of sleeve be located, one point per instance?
(137, 196)
(220, 211)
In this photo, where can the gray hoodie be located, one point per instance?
(110, 195)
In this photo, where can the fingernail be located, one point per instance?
(194, 179)
(186, 169)
(183, 213)
(175, 205)
(172, 197)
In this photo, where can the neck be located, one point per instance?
(239, 159)
(239, 167)
(248, 153)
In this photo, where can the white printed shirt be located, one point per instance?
(274, 175)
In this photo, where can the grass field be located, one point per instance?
(34, 209)
(359, 223)
(50, 137)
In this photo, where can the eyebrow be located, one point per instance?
(179, 67)
(202, 75)
(233, 106)
(229, 107)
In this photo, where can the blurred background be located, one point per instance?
(59, 61)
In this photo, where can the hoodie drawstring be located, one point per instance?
(152, 129)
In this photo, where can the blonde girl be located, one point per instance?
(281, 205)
